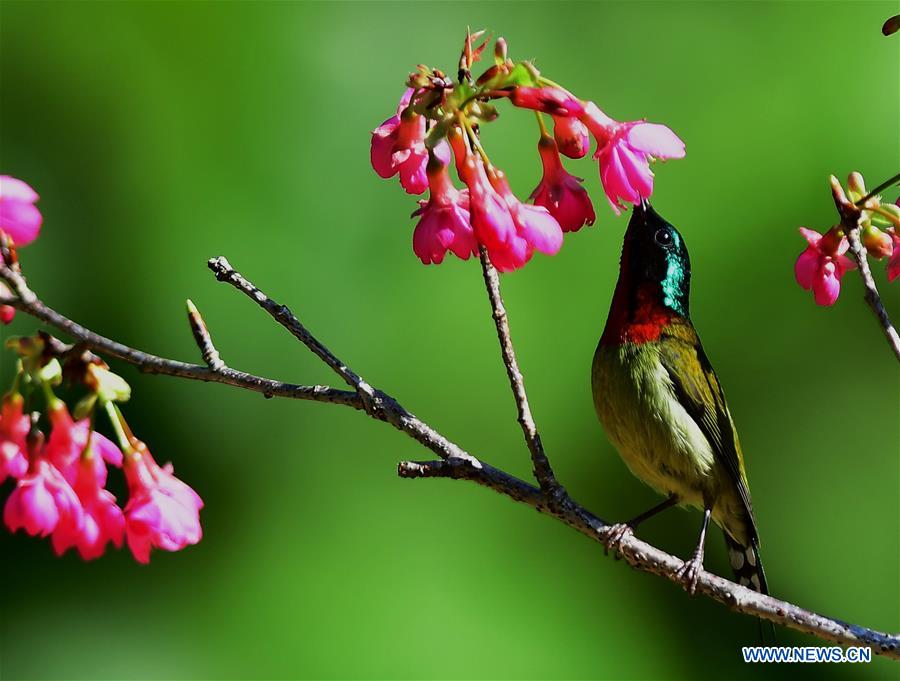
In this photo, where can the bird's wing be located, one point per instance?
(699, 392)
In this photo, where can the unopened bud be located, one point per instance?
(500, 55)
(51, 372)
(877, 243)
(417, 81)
(27, 347)
(856, 186)
(108, 386)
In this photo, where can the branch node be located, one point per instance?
(203, 339)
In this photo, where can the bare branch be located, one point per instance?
(542, 469)
(850, 217)
(282, 314)
(647, 558)
(28, 302)
(454, 461)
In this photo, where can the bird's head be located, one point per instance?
(655, 259)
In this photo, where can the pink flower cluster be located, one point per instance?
(61, 488)
(20, 221)
(821, 266)
(413, 144)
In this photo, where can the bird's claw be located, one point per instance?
(689, 573)
(617, 534)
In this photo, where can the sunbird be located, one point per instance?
(661, 403)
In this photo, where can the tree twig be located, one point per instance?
(203, 339)
(851, 214)
(26, 301)
(543, 472)
(454, 461)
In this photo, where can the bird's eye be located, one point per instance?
(663, 237)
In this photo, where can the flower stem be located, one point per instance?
(115, 419)
(540, 120)
(49, 397)
(884, 185)
(473, 138)
(86, 452)
(886, 214)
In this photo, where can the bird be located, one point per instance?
(662, 405)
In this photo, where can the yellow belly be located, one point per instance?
(658, 440)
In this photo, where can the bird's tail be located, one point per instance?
(747, 564)
(748, 571)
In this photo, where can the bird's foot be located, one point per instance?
(689, 573)
(617, 534)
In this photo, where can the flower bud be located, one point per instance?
(109, 387)
(500, 55)
(549, 100)
(856, 187)
(877, 243)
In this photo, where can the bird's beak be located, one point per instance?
(640, 214)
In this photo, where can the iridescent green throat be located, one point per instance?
(676, 283)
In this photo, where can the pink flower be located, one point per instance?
(561, 193)
(384, 137)
(68, 440)
(821, 266)
(551, 100)
(444, 224)
(398, 146)
(104, 521)
(571, 135)
(509, 229)
(44, 503)
(893, 266)
(535, 224)
(624, 151)
(491, 220)
(19, 217)
(14, 426)
(162, 511)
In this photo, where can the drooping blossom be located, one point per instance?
(44, 503)
(103, 521)
(550, 100)
(534, 225)
(624, 151)
(893, 266)
(14, 426)
(491, 220)
(398, 147)
(571, 136)
(510, 230)
(19, 217)
(68, 439)
(444, 223)
(561, 193)
(384, 137)
(162, 511)
(821, 266)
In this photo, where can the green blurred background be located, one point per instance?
(161, 134)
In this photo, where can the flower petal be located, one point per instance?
(656, 140)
